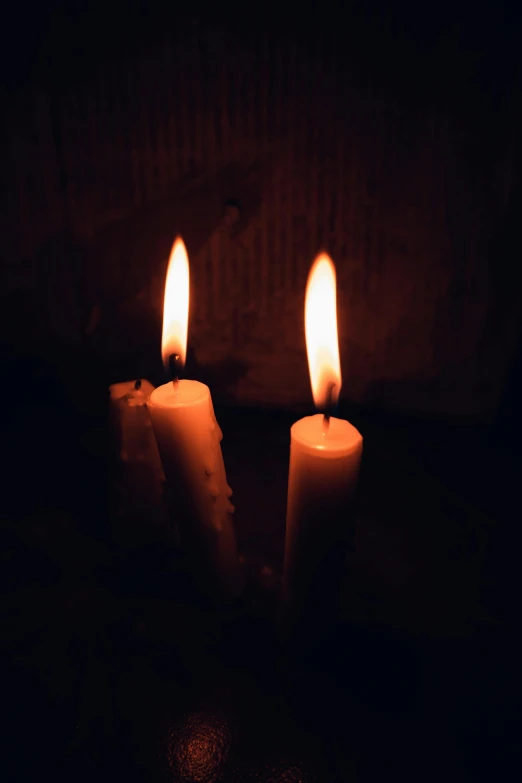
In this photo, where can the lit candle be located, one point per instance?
(188, 438)
(325, 455)
(139, 482)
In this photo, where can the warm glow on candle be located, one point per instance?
(176, 304)
(322, 343)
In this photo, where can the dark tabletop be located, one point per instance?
(114, 670)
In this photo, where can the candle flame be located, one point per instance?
(322, 342)
(176, 305)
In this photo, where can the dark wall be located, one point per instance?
(389, 137)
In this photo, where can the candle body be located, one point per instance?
(324, 469)
(139, 484)
(189, 441)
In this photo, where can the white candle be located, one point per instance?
(139, 482)
(325, 456)
(188, 438)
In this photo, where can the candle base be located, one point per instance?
(309, 609)
(211, 555)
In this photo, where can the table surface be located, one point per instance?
(114, 670)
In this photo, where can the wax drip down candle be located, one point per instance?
(325, 456)
(189, 442)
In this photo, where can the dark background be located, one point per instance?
(388, 135)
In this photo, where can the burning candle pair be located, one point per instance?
(325, 452)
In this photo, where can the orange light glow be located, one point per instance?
(176, 304)
(322, 342)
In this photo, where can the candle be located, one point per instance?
(139, 483)
(325, 455)
(188, 438)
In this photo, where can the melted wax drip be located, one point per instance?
(218, 489)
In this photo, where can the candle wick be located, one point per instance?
(137, 385)
(328, 407)
(174, 369)
(326, 423)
